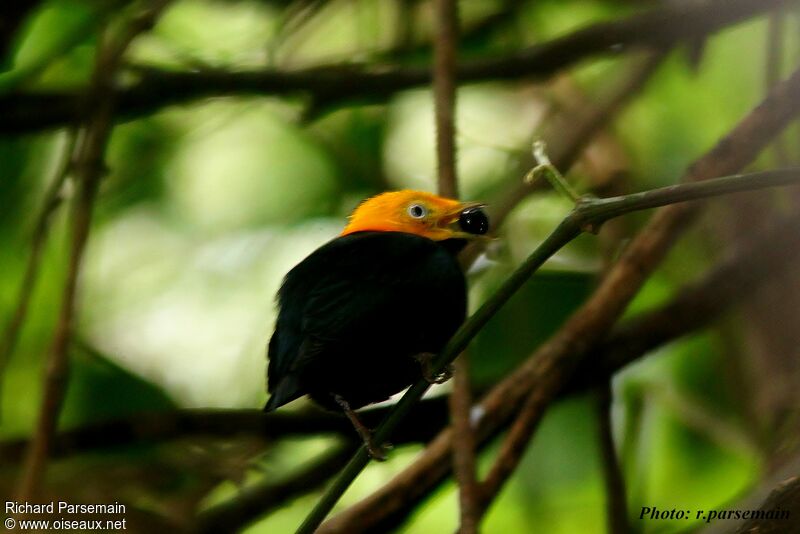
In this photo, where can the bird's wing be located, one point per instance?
(348, 289)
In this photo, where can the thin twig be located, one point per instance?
(697, 305)
(659, 27)
(89, 169)
(772, 74)
(548, 369)
(52, 200)
(256, 501)
(559, 356)
(444, 90)
(616, 501)
(780, 512)
(565, 145)
(588, 214)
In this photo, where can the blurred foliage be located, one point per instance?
(207, 205)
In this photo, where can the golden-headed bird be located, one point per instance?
(358, 315)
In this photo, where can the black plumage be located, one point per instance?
(354, 314)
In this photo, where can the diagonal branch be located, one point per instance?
(589, 214)
(89, 171)
(658, 27)
(696, 306)
(558, 358)
(427, 419)
(52, 200)
(256, 501)
(549, 368)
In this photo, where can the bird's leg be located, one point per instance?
(425, 360)
(376, 451)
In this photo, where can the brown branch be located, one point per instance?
(428, 418)
(556, 359)
(616, 500)
(659, 27)
(565, 145)
(697, 305)
(89, 169)
(464, 448)
(774, 63)
(444, 91)
(787, 469)
(256, 501)
(546, 372)
(779, 514)
(52, 200)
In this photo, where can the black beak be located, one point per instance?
(474, 221)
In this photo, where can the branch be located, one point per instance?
(616, 500)
(588, 214)
(428, 418)
(444, 89)
(558, 358)
(697, 305)
(254, 502)
(658, 27)
(89, 171)
(565, 145)
(772, 72)
(52, 200)
(548, 369)
(779, 513)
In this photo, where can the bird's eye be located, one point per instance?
(417, 211)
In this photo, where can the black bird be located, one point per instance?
(361, 316)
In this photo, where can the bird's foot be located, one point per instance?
(377, 451)
(426, 363)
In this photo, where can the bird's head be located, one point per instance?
(423, 214)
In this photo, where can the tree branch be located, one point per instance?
(588, 214)
(549, 368)
(565, 145)
(52, 200)
(616, 499)
(778, 514)
(89, 171)
(254, 502)
(428, 418)
(658, 27)
(697, 305)
(444, 89)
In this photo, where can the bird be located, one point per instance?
(360, 318)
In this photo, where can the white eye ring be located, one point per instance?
(417, 211)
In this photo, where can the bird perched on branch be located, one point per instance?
(360, 318)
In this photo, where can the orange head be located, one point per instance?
(420, 213)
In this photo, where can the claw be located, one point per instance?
(376, 451)
(425, 360)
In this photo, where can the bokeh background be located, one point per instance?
(206, 205)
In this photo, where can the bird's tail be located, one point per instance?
(286, 391)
